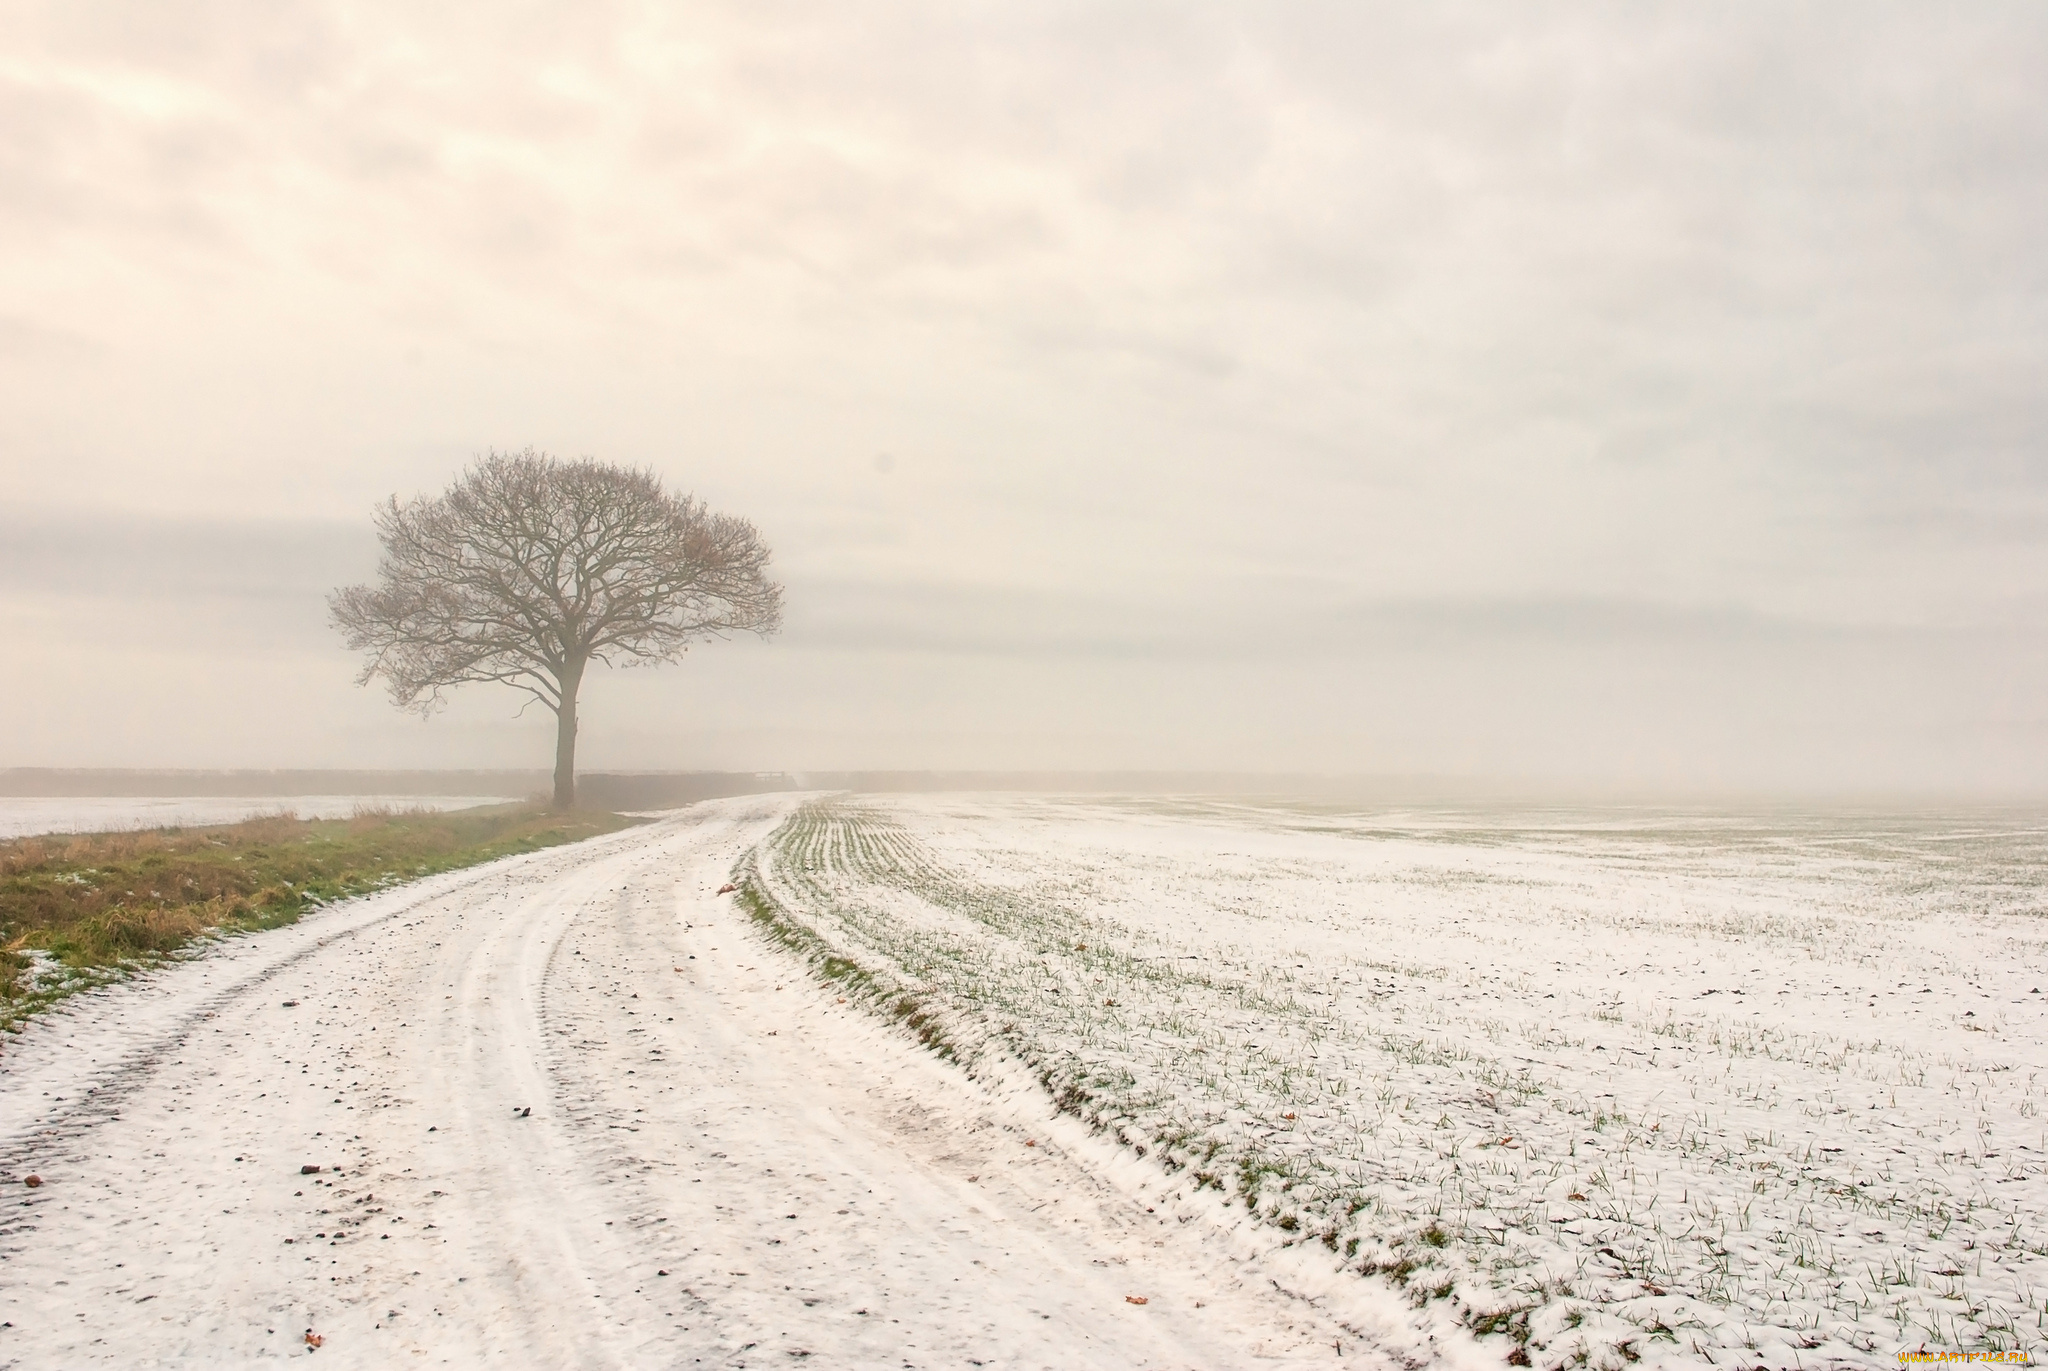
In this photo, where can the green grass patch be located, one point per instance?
(77, 910)
(769, 914)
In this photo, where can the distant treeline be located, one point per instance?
(55, 781)
(649, 790)
(627, 789)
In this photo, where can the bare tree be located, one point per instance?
(528, 569)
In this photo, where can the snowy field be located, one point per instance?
(1070, 1084)
(1673, 1088)
(22, 816)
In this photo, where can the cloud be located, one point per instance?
(1201, 335)
(95, 553)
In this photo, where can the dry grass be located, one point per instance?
(76, 909)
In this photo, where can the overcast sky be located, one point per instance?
(1635, 395)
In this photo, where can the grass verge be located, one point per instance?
(77, 910)
(876, 992)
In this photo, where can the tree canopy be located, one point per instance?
(529, 568)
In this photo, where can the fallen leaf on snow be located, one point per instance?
(313, 1339)
(727, 888)
(1137, 1299)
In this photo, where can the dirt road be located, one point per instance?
(570, 1111)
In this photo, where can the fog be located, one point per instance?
(1639, 397)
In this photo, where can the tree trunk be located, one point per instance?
(565, 744)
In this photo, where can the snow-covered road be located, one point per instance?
(571, 1111)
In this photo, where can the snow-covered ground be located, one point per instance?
(1598, 1088)
(1215, 1085)
(21, 816)
(574, 1109)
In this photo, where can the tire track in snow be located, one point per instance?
(721, 1166)
(69, 1071)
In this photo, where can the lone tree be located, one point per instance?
(528, 569)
